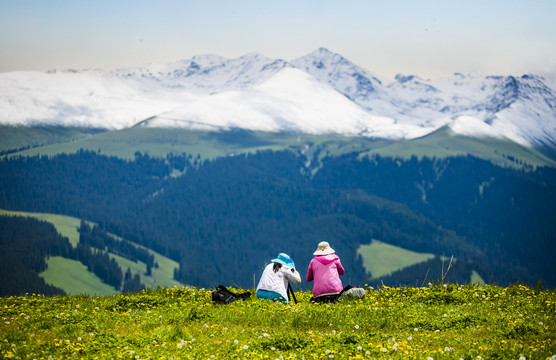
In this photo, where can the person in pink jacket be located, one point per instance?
(325, 269)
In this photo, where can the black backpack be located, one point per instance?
(224, 296)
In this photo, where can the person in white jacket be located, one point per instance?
(275, 279)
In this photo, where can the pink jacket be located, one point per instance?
(325, 270)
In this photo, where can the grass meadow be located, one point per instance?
(443, 321)
(381, 259)
(442, 143)
(74, 278)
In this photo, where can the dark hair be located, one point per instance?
(276, 267)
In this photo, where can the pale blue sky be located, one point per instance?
(426, 38)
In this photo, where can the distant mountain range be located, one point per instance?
(320, 93)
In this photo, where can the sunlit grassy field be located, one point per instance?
(381, 259)
(443, 321)
(441, 143)
(74, 278)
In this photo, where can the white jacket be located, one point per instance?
(278, 281)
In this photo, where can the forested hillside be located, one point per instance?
(24, 246)
(224, 219)
(26, 243)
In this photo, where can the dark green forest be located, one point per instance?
(224, 219)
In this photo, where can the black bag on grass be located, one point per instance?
(224, 296)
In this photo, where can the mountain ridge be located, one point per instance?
(244, 93)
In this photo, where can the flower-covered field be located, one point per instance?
(437, 322)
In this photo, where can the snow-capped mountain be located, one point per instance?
(321, 92)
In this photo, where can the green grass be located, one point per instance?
(159, 142)
(164, 275)
(66, 225)
(160, 277)
(209, 145)
(74, 278)
(17, 137)
(445, 321)
(476, 278)
(381, 259)
(442, 144)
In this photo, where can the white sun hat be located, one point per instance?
(324, 249)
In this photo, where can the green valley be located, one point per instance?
(213, 207)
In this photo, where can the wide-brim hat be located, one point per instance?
(324, 249)
(284, 259)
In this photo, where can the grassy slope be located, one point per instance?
(160, 277)
(17, 137)
(381, 259)
(73, 277)
(209, 145)
(476, 278)
(159, 142)
(439, 322)
(442, 144)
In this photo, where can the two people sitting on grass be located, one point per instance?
(276, 277)
(324, 270)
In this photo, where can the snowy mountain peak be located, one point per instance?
(321, 92)
(354, 82)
